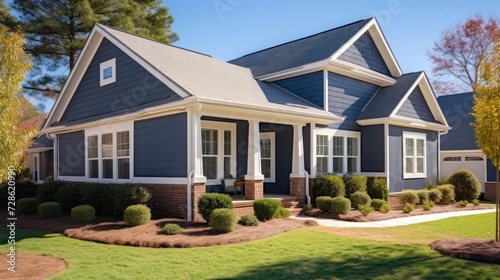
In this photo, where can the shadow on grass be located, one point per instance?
(21, 234)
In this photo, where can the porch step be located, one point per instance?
(294, 206)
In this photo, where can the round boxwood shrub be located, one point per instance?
(83, 214)
(377, 203)
(408, 208)
(223, 220)
(354, 183)
(378, 189)
(462, 203)
(249, 220)
(435, 195)
(323, 203)
(211, 201)
(136, 215)
(428, 205)
(171, 229)
(265, 208)
(385, 208)
(328, 185)
(409, 196)
(423, 196)
(281, 213)
(340, 205)
(467, 186)
(49, 209)
(365, 209)
(360, 198)
(28, 205)
(448, 193)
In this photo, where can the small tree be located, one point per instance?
(14, 137)
(486, 111)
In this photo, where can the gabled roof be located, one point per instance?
(322, 47)
(385, 104)
(457, 109)
(189, 74)
(41, 143)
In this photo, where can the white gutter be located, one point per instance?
(307, 188)
(189, 190)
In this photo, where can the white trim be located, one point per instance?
(355, 71)
(272, 137)
(462, 151)
(254, 171)
(387, 155)
(312, 149)
(221, 127)
(144, 180)
(405, 122)
(415, 136)
(104, 65)
(374, 174)
(339, 133)
(292, 72)
(35, 158)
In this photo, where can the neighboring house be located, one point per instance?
(41, 155)
(136, 110)
(458, 147)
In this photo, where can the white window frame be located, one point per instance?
(104, 65)
(338, 133)
(221, 126)
(415, 136)
(272, 137)
(321, 156)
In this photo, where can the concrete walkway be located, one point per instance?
(393, 222)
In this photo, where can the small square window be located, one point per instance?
(107, 72)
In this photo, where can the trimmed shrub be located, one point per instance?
(354, 183)
(365, 209)
(377, 203)
(83, 214)
(435, 195)
(249, 220)
(340, 205)
(378, 189)
(136, 215)
(49, 209)
(47, 191)
(171, 229)
(328, 185)
(462, 203)
(409, 196)
(448, 193)
(385, 208)
(307, 208)
(467, 186)
(429, 185)
(265, 208)
(281, 213)
(360, 198)
(223, 220)
(408, 208)
(324, 203)
(28, 205)
(211, 201)
(128, 195)
(423, 196)
(24, 189)
(475, 202)
(69, 196)
(428, 205)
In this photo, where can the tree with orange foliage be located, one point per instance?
(458, 54)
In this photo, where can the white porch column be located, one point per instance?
(254, 171)
(197, 159)
(298, 153)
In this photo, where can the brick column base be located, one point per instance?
(254, 189)
(198, 190)
(298, 187)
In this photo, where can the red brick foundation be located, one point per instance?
(171, 200)
(198, 190)
(394, 202)
(298, 187)
(490, 191)
(254, 189)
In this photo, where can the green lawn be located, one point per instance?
(299, 254)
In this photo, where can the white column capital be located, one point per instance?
(197, 154)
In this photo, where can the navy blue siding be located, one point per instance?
(490, 171)
(365, 53)
(372, 148)
(72, 154)
(308, 86)
(160, 147)
(346, 98)
(306, 133)
(416, 107)
(134, 86)
(283, 159)
(456, 109)
(396, 183)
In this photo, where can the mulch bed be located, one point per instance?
(356, 216)
(29, 266)
(482, 250)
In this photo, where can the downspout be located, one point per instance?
(189, 190)
(307, 188)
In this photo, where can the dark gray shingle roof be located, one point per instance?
(42, 141)
(299, 52)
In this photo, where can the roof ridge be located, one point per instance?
(309, 36)
(149, 39)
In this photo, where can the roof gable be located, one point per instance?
(416, 107)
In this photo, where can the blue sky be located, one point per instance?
(228, 29)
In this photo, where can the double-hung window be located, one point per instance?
(321, 154)
(209, 148)
(414, 151)
(218, 149)
(93, 156)
(337, 153)
(267, 156)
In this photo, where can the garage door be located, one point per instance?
(473, 162)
